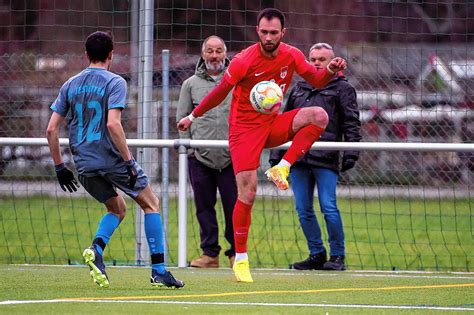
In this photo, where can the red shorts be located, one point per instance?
(247, 143)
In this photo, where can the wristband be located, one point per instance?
(59, 167)
(329, 70)
(129, 162)
(191, 117)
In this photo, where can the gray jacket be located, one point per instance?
(213, 125)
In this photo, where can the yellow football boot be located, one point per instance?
(242, 271)
(279, 176)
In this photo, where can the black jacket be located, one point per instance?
(339, 100)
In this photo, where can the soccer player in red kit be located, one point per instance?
(250, 131)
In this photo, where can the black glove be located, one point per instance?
(132, 173)
(66, 178)
(273, 162)
(348, 162)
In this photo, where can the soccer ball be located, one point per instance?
(266, 97)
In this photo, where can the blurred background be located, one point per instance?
(411, 63)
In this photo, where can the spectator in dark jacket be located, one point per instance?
(321, 168)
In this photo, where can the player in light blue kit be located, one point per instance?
(93, 101)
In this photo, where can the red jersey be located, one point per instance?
(249, 67)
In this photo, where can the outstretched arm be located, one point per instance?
(320, 77)
(214, 98)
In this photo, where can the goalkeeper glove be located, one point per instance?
(66, 178)
(132, 172)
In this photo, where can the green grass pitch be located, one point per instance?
(43, 289)
(385, 234)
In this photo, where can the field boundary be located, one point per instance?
(269, 297)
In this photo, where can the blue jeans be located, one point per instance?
(303, 180)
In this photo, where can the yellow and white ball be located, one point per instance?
(266, 97)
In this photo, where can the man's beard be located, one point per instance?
(214, 68)
(270, 50)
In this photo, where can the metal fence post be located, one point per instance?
(142, 254)
(165, 151)
(182, 205)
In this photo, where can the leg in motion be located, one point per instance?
(228, 190)
(307, 125)
(247, 187)
(154, 233)
(93, 256)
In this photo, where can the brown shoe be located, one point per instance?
(231, 261)
(205, 262)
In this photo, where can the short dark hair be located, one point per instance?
(99, 45)
(270, 13)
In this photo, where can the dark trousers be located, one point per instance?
(205, 182)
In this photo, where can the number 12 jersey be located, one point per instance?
(85, 99)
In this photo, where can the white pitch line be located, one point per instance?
(361, 275)
(412, 276)
(415, 307)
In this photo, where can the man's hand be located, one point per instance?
(348, 162)
(66, 178)
(184, 124)
(132, 173)
(337, 64)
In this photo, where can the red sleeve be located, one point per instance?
(214, 98)
(317, 78)
(236, 70)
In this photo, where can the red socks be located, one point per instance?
(302, 142)
(241, 219)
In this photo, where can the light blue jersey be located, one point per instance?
(85, 99)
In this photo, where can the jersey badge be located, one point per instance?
(283, 72)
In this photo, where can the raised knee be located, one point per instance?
(319, 117)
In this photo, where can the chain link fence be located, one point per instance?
(411, 64)
(424, 106)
